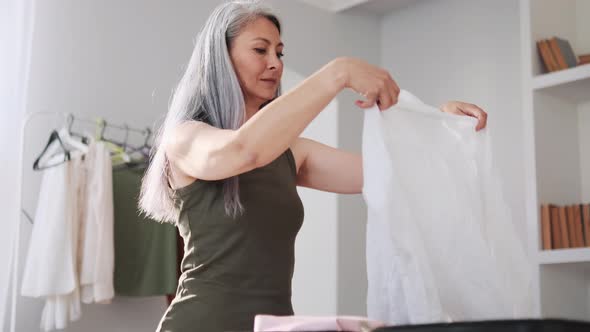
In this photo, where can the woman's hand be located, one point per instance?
(461, 108)
(373, 83)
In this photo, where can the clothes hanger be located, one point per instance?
(118, 153)
(131, 162)
(66, 137)
(60, 142)
(53, 145)
(144, 150)
(126, 136)
(139, 155)
(83, 138)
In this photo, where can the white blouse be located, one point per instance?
(441, 241)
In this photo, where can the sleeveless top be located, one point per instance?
(233, 269)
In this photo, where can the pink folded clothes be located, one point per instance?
(267, 323)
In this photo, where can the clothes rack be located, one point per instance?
(103, 125)
(69, 118)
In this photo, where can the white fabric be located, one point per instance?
(263, 323)
(51, 268)
(97, 241)
(71, 252)
(441, 241)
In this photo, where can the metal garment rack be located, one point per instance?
(68, 118)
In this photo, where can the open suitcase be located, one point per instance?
(529, 325)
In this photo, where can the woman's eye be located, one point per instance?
(263, 51)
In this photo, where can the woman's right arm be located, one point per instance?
(200, 151)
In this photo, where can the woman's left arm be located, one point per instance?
(325, 168)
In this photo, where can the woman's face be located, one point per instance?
(256, 56)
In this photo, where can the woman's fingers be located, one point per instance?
(385, 98)
(373, 83)
(389, 91)
(364, 104)
(371, 99)
(393, 90)
(475, 111)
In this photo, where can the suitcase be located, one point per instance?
(527, 325)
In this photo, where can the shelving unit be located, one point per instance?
(559, 256)
(557, 149)
(570, 84)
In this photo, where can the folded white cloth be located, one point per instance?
(264, 323)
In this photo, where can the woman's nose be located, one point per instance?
(274, 62)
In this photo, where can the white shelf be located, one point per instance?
(572, 84)
(555, 144)
(570, 255)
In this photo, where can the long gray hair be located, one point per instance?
(209, 91)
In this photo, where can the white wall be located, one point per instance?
(465, 50)
(316, 278)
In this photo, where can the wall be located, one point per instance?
(467, 51)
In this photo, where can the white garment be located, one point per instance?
(263, 323)
(441, 241)
(71, 251)
(51, 268)
(97, 236)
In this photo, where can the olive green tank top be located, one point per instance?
(233, 269)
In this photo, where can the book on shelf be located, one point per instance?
(555, 229)
(546, 226)
(546, 56)
(583, 59)
(557, 54)
(586, 224)
(579, 238)
(565, 226)
(565, 236)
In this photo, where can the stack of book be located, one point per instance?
(565, 226)
(557, 54)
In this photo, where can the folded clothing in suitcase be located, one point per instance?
(528, 325)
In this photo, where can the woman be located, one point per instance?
(229, 157)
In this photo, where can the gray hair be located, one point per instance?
(209, 91)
